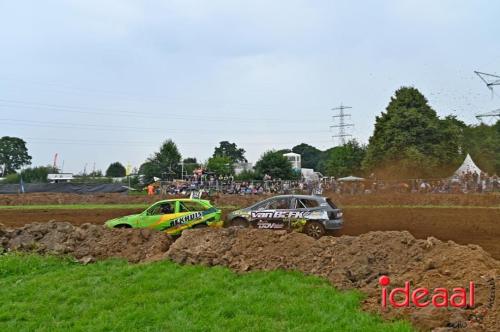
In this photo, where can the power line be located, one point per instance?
(491, 81)
(342, 125)
(109, 112)
(189, 130)
(491, 114)
(148, 143)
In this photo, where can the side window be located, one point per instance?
(307, 203)
(279, 204)
(162, 208)
(191, 206)
(262, 205)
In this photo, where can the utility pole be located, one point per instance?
(182, 169)
(342, 125)
(492, 114)
(491, 81)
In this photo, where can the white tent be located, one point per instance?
(351, 178)
(467, 166)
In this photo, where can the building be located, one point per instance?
(309, 175)
(241, 167)
(295, 159)
(60, 178)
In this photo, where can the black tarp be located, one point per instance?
(74, 188)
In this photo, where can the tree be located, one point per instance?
(276, 165)
(13, 154)
(410, 140)
(163, 164)
(220, 165)
(246, 175)
(226, 149)
(31, 175)
(482, 142)
(116, 170)
(345, 160)
(190, 164)
(310, 156)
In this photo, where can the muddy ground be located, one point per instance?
(348, 262)
(479, 226)
(224, 200)
(389, 234)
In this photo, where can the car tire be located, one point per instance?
(239, 222)
(200, 226)
(314, 229)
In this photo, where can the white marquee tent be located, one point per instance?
(467, 166)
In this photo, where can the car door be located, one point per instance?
(191, 213)
(307, 208)
(274, 214)
(158, 215)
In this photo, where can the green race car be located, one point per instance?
(172, 216)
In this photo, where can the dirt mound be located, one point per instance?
(87, 243)
(357, 262)
(348, 262)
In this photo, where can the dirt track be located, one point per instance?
(17, 218)
(479, 226)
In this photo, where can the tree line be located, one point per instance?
(409, 141)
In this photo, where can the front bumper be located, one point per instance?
(333, 224)
(216, 224)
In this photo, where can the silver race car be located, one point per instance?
(314, 215)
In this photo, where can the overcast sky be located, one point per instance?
(99, 81)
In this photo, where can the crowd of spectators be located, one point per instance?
(470, 182)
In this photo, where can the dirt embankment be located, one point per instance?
(86, 243)
(462, 225)
(348, 262)
(358, 262)
(479, 226)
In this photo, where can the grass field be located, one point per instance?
(52, 294)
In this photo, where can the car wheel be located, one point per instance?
(314, 229)
(123, 226)
(239, 222)
(200, 226)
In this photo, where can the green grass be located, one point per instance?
(52, 294)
